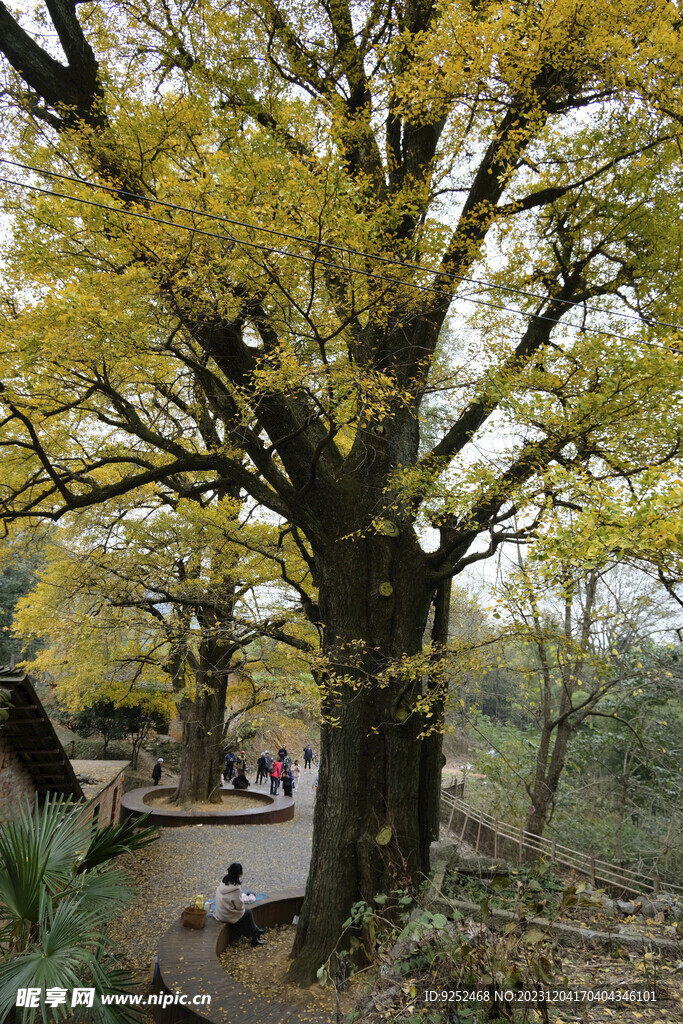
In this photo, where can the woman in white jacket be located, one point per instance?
(231, 909)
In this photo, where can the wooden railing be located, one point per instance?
(499, 839)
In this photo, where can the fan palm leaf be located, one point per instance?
(113, 840)
(57, 893)
(70, 952)
(104, 891)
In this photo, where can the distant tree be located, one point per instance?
(637, 752)
(141, 713)
(141, 719)
(583, 637)
(21, 556)
(136, 598)
(102, 718)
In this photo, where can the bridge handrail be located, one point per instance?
(594, 867)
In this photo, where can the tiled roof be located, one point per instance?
(31, 735)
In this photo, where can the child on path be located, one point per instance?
(296, 772)
(286, 782)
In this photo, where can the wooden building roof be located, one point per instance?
(30, 733)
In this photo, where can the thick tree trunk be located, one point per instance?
(203, 720)
(366, 832)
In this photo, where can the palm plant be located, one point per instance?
(58, 892)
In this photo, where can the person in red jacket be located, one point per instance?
(275, 773)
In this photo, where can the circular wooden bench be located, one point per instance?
(266, 810)
(189, 967)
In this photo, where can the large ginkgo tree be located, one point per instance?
(406, 273)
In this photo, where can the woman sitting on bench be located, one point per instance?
(230, 909)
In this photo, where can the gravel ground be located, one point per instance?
(191, 860)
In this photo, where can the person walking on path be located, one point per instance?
(231, 910)
(229, 766)
(261, 769)
(296, 772)
(275, 773)
(156, 771)
(308, 757)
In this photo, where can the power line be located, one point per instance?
(316, 261)
(317, 244)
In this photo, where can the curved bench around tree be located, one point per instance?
(266, 810)
(189, 967)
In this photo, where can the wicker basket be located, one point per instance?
(194, 918)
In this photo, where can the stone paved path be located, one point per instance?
(192, 860)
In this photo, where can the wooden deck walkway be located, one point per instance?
(189, 968)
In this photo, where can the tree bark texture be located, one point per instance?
(366, 837)
(203, 726)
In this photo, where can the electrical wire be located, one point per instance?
(333, 247)
(316, 261)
